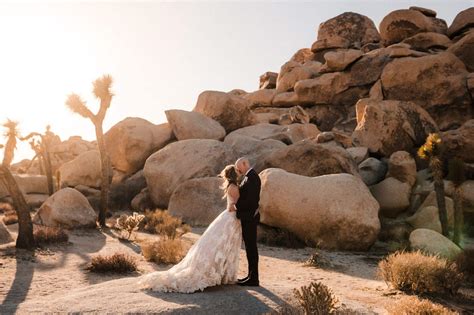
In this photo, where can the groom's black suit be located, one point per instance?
(247, 205)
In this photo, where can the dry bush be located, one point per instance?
(49, 235)
(165, 250)
(129, 223)
(316, 299)
(412, 305)
(418, 273)
(118, 263)
(162, 223)
(10, 218)
(317, 260)
(465, 262)
(5, 207)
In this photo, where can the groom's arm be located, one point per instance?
(244, 201)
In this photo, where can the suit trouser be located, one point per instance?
(249, 234)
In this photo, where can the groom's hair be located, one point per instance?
(243, 160)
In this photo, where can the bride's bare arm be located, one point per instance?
(232, 197)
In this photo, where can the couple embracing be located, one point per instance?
(214, 258)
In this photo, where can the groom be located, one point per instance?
(247, 212)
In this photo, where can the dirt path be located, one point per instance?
(54, 280)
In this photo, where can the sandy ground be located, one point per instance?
(55, 280)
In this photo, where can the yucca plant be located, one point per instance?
(41, 144)
(457, 176)
(25, 237)
(101, 90)
(433, 151)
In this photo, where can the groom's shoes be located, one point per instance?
(249, 283)
(242, 280)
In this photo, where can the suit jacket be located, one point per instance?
(249, 196)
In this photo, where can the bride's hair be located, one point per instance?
(230, 176)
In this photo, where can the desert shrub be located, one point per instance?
(165, 250)
(317, 260)
(5, 207)
(162, 223)
(419, 273)
(118, 263)
(129, 223)
(272, 236)
(316, 299)
(49, 235)
(10, 218)
(412, 305)
(465, 262)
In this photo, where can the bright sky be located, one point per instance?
(161, 54)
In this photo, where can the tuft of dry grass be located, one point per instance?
(418, 273)
(165, 250)
(49, 235)
(5, 207)
(316, 299)
(162, 223)
(117, 263)
(412, 305)
(10, 218)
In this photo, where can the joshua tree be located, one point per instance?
(457, 176)
(433, 151)
(41, 145)
(25, 227)
(101, 91)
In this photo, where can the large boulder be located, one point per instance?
(308, 158)
(5, 236)
(287, 134)
(339, 60)
(292, 72)
(303, 55)
(433, 243)
(231, 111)
(368, 69)
(261, 98)
(430, 201)
(460, 142)
(415, 79)
(372, 171)
(198, 201)
(402, 166)
(428, 41)
(347, 30)
(66, 208)
(268, 80)
(462, 21)
(179, 161)
(255, 150)
(193, 125)
(427, 218)
(401, 24)
(334, 211)
(389, 126)
(323, 89)
(131, 141)
(29, 184)
(83, 170)
(463, 49)
(392, 195)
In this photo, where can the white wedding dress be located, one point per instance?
(212, 260)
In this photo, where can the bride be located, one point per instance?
(214, 258)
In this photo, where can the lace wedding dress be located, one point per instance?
(212, 260)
